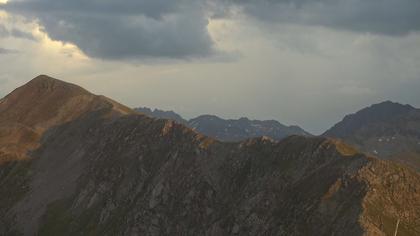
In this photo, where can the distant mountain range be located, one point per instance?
(388, 130)
(229, 130)
(74, 163)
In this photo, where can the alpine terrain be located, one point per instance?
(230, 130)
(388, 130)
(74, 163)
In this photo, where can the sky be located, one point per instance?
(301, 62)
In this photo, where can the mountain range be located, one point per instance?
(230, 130)
(388, 130)
(74, 163)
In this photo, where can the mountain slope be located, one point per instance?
(127, 174)
(389, 130)
(39, 105)
(230, 130)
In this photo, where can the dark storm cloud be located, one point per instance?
(389, 17)
(125, 28)
(120, 29)
(14, 32)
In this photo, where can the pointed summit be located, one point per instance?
(42, 103)
(44, 79)
(44, 83)
(43, 99)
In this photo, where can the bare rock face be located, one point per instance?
(387, 130)
(110, 171)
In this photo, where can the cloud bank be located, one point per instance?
(124, 28)
(121, 29)
(387, 17)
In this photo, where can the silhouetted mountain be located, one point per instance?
(95, 167)
(230, 130)
(243, 128)
(388, 130)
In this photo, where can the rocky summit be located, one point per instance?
(74, 163)
(388, 130)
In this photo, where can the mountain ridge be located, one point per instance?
(128, 174)
(231, 130)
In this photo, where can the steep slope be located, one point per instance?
(42, 103)
(229, 130)
(388, 130)
(128, 174)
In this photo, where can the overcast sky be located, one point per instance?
(303, 62)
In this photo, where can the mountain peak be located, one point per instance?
(391, 105)
(377, 113)
(389, 130)
(44, 78)
(44, 83)
(43, 103)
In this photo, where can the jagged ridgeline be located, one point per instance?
(73, 163)
(231, 130)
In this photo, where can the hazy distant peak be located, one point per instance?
(389, 106)
(387, 129)
(381, 112)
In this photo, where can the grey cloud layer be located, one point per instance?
(389, 17)
(119, 29)
(125, 28)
